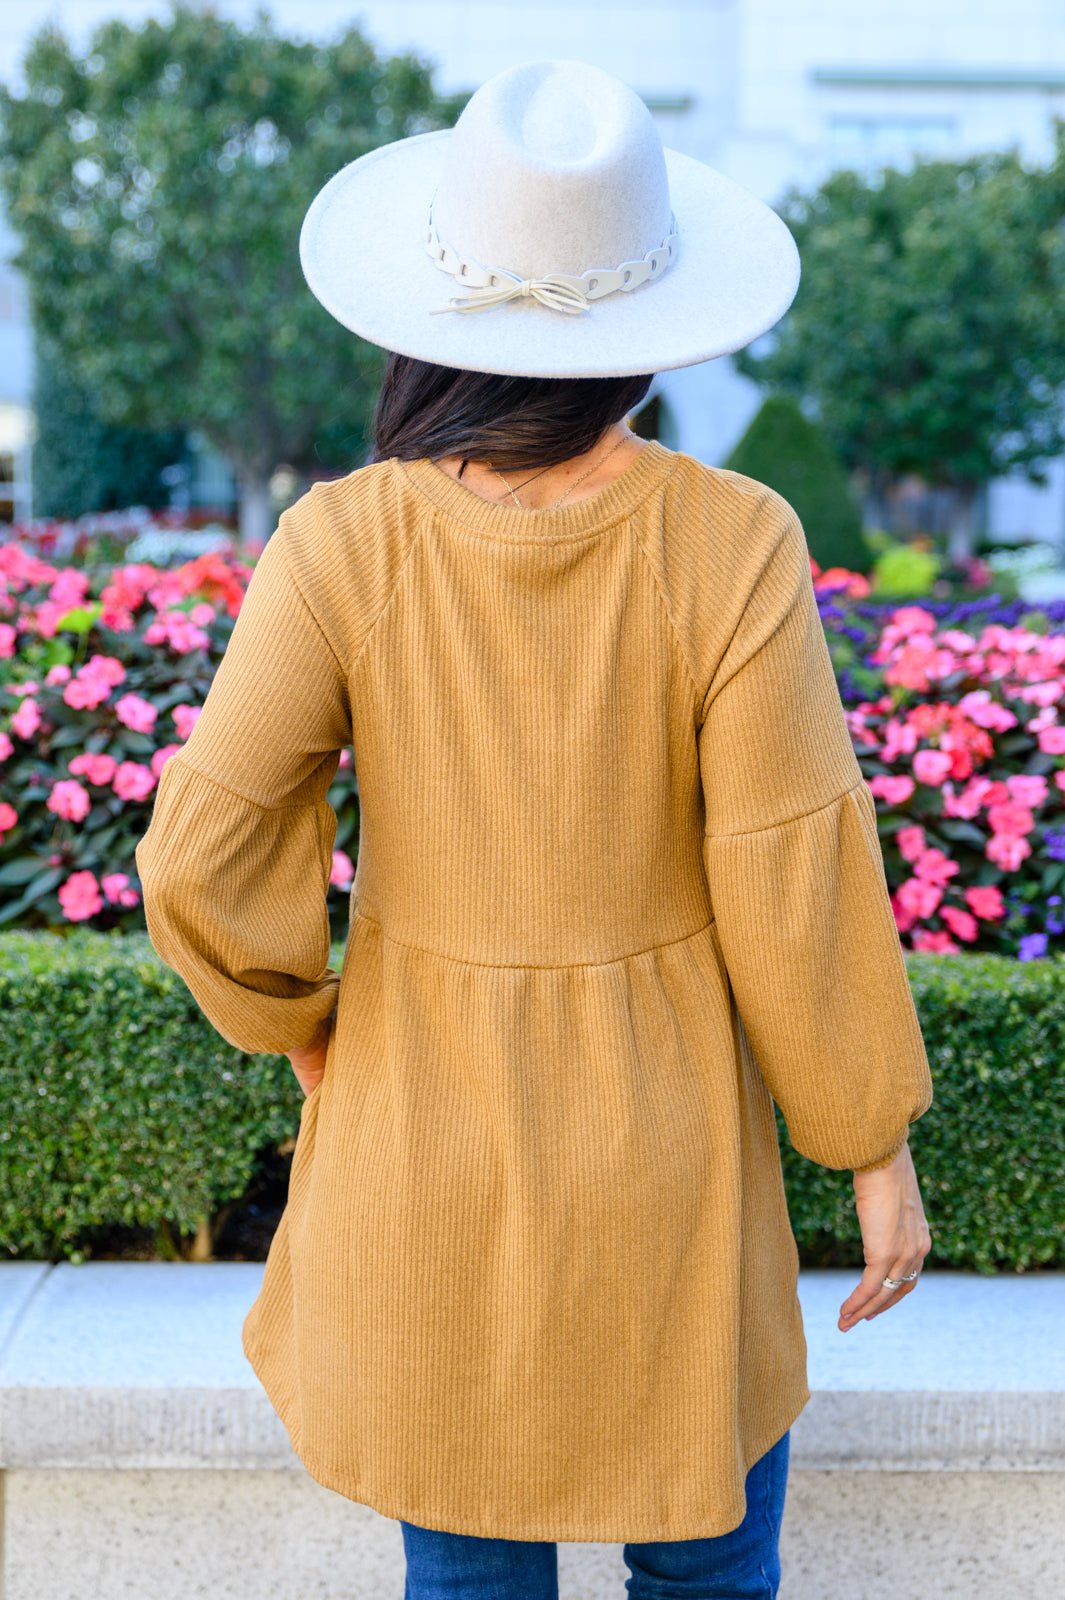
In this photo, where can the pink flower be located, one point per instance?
(918, 897)
(911, 843)
(894, 790)
(986, 901)
(345, 758)
(109, 668)
(185, 719)
(985, 712)
(935, 867)
(98, 769)
(27, 718)
(202, 614)
(1028, 789)
(6, 747)
(69, 800)
(960, 922)
(935, 940)
(136, 712)
(17, 689)
(86, 693)
(1052, 740)
(1007, 850)
(60, 673)
(1010, 818)
(1059, 779)
(69, 589)
(343, 873)
(162, 756)
(8, 817)
(176, 629)
(116, 890)
(7, 639)
(931, 766)
(80, 897)
(133, 781)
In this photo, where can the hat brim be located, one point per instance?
(363, 255)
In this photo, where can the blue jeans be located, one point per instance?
(741, 1565)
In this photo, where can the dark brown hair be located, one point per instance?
(426, 410)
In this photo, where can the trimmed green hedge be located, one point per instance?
(990, 1153)
(123, 1107)
(120, 1104)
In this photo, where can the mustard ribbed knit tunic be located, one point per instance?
(618, 883)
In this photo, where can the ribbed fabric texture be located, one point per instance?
(618, 883)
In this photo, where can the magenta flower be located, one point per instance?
(986, 901)
(60, 673)
(69, 800)
(185, 719)
(960, 922)
(1010, 817)
(27, 718)
(80, 897)
(133, 781)
(343, 873)
(1007, 850)
(911, 843)
(7, 639)
(97, 768)
(935, 867)
(8, 817)
(115, 886)
(895, 790)
(6, 747)
(109, 668)
(86, 693)
(162, 756)
(918, 897)
(935, 940)
(1052, 740)
(136, 712)
(1027, 788)
(931, 766)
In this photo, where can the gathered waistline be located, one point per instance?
(527, 966)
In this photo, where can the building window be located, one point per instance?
(882, 141)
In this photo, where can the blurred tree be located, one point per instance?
(789, 453)
(928, 324)
(157, 187)
(82, 464)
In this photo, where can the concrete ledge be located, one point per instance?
(131, 1365)
(143, 1461)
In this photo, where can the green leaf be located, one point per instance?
(79, 619)
(21, 870)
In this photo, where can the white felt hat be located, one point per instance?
(547, 234)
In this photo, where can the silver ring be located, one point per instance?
(910, 1276)
(893, 1283)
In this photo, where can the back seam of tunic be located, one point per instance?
(674, 630)
(529, 966)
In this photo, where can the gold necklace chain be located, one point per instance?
(594, 468)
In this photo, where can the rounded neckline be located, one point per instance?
(543, 525)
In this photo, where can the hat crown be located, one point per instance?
(553, 166)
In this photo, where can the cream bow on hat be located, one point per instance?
(575, 244)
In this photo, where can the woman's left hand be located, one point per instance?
(308, 1063)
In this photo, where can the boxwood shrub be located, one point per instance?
(990, 1153)
(121, 1106)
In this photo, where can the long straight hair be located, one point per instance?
(425, 410)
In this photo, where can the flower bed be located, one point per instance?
(953, 710)
(102, 676)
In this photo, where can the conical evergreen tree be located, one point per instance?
(790, 454)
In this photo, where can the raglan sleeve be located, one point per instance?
(797, 881)
(235, 864)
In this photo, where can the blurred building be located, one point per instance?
(772, 93)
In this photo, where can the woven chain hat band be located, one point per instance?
(559, 291)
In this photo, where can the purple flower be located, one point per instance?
(1032, 946)
(1054, 844)
(1054, 926)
